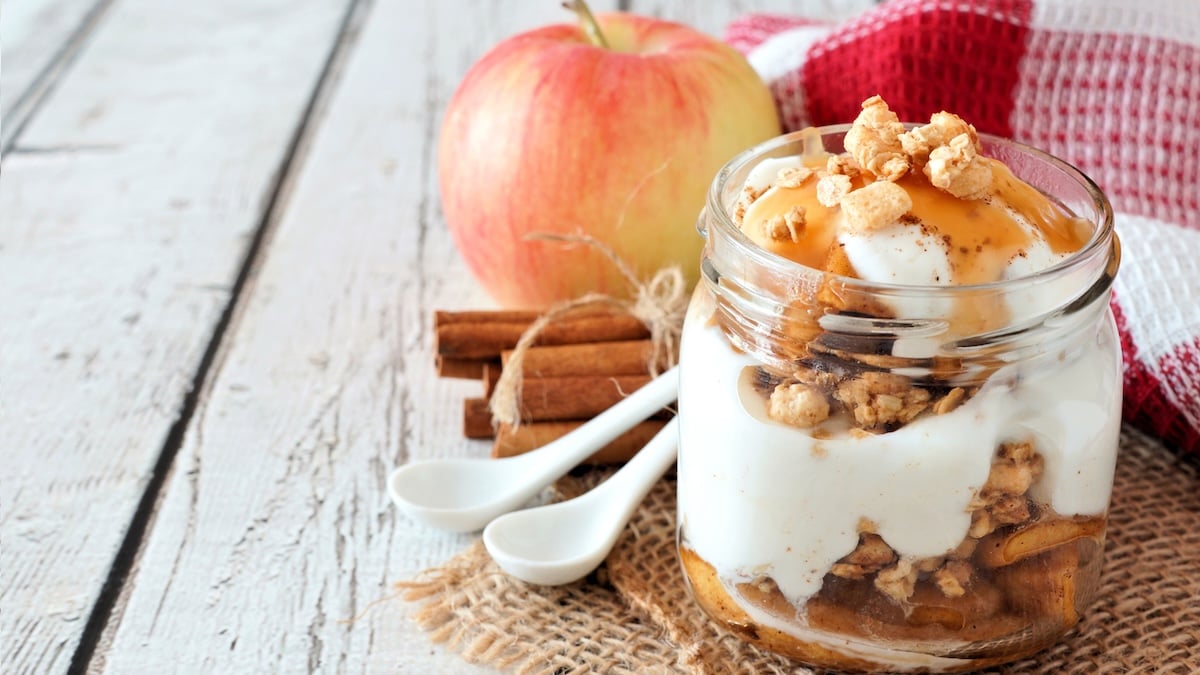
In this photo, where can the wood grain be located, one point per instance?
(276, 528)
(120, 244)
(41, 37)
(129, 202)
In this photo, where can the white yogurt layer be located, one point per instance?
(757, 497)
(904, 254)
(765, 173)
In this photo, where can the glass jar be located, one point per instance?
(965, 527)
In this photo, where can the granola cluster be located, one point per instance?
(946, 150)
(872, 401)
(1002, 502)
(879, 152)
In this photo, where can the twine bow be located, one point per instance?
(659, 303)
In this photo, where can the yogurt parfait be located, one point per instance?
(899, 397)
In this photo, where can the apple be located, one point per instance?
(613, 129)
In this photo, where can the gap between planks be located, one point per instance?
(25, 107)
(105, 616)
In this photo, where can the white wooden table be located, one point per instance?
(220, 249)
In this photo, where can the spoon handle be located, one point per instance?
(551, 461)
(630, 485)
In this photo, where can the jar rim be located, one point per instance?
(1103, 238)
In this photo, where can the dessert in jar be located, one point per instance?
(899, 397)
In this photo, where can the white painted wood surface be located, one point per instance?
(38, 39)
(126, 207)
(276, 528)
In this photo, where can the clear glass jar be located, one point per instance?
(966, 534)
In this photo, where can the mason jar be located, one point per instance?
(964, 525)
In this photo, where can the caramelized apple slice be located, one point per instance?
(1007, 547)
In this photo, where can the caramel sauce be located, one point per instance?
(1063, 232)
(980, 236)
(820, 230)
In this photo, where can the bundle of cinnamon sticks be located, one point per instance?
(580, 365)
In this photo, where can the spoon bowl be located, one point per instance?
(453, 494)
(463, 495)
(563, 542)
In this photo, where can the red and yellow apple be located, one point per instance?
(615, 134)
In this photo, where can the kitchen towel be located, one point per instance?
(1112, 86)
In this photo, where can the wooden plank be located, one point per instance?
(276, 529)
(126, 217)
(40, 38)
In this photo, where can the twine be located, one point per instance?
(659, 303)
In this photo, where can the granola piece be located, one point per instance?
(848, 571)
(788, 226)
(842, 165)
(875, 206)
(776, 228)
(959, 169)
(953, 577)
(872, 552)
(870, 556)
(1001, 501)
(942, 127)
(874, 140)
(796, 219)
(798, 405)
(831, 189)
(1014, 470)
(816, 378)
(1010, 510)
(793, 177)
(1019, 452)
(897, 581)
(982, 524)
(950, 401)
(964, 550)
(879, 399)
(928, 565)
(748, 197)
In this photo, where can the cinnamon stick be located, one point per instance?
(574, 398)
(625, 357)
(477, 419)
(444, 318)
(468, 369)
(530, 436)
(490, 376)
(484, 340)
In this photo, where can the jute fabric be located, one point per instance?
(634, 614)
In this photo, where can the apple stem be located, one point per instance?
(590, 27)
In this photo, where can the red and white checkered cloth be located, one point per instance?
(1112, 86)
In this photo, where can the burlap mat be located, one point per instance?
(635, 616)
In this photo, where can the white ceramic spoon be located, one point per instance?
(463, 495)
(563, 542)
